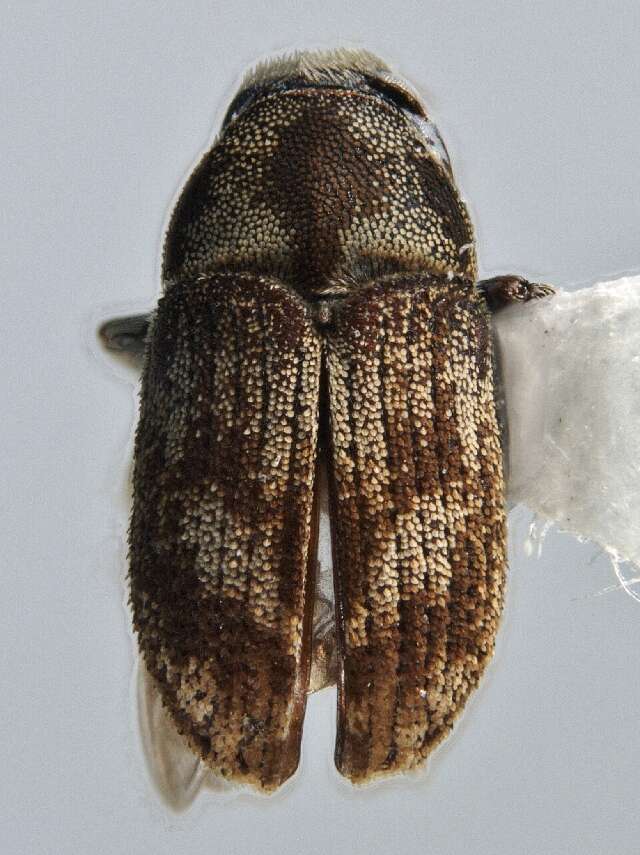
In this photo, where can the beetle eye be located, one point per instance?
(398, 92)
(432, 137)
(242, 100)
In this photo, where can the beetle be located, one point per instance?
(321, 310)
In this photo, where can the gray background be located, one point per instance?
(105, 109)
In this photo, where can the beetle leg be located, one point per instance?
(126, 334)
(501, 291)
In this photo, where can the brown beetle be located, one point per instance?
(320, 309)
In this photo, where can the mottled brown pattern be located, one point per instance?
(320, 257)
(317, 186)
(221, 529)
(418, 507)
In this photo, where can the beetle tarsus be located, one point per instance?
(501, 291)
